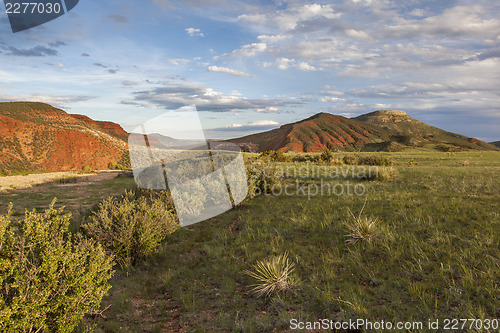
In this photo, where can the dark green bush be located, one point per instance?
(300, 158)
(314, 158)
(132, 226)
(86, 169)
(49, 278)
(367, 160)
(275, 156)
(351, 159)
(375, 160)
(327, 155)
(306, 158)
(116, 166)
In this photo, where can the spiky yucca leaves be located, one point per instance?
(361, 228)
(273, 275)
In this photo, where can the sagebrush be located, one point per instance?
(49, 278)
(132, 225)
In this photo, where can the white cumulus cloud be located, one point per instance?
(228, 71)
(264, 123)
(193, 32)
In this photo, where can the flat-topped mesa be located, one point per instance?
(386, 116)
(390, 113)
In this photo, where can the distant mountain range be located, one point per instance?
(160, 141)
(37, 136)
(496, 143)
(383, 130)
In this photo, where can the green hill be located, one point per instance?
(411, 132)
(384, 130)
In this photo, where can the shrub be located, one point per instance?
(275, 156)
(300, 158)
(87, 169)
(305, 158)
(351, 159)
(133, 225)
(263, 178)
(375, 160)
(327, 155)
(116, 166)
(367, 160)
(314, 158)
(387, 173)
(273, 275)
(49, 278)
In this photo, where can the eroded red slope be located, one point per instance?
(36, 136)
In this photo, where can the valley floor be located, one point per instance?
(435, 253)
(8, 183)
(435, 256)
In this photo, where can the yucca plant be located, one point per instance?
(273, 275)
(361, 229)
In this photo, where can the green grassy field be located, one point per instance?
(434, 254)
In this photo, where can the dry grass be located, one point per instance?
(361, 228)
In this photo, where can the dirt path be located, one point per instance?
(76, 192)
(20, 182)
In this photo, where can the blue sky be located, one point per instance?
(250, 66)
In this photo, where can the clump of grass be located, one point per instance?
(274, 275)
(387, 173)
(68, 180)
(384, 174)
(412, 163)
(380, 173)
(465, 163)
(361, 228)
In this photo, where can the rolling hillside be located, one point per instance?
(316, 133)
(412, 132)
(387, 130)
(39, 137)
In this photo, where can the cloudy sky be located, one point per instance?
(250, 66)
